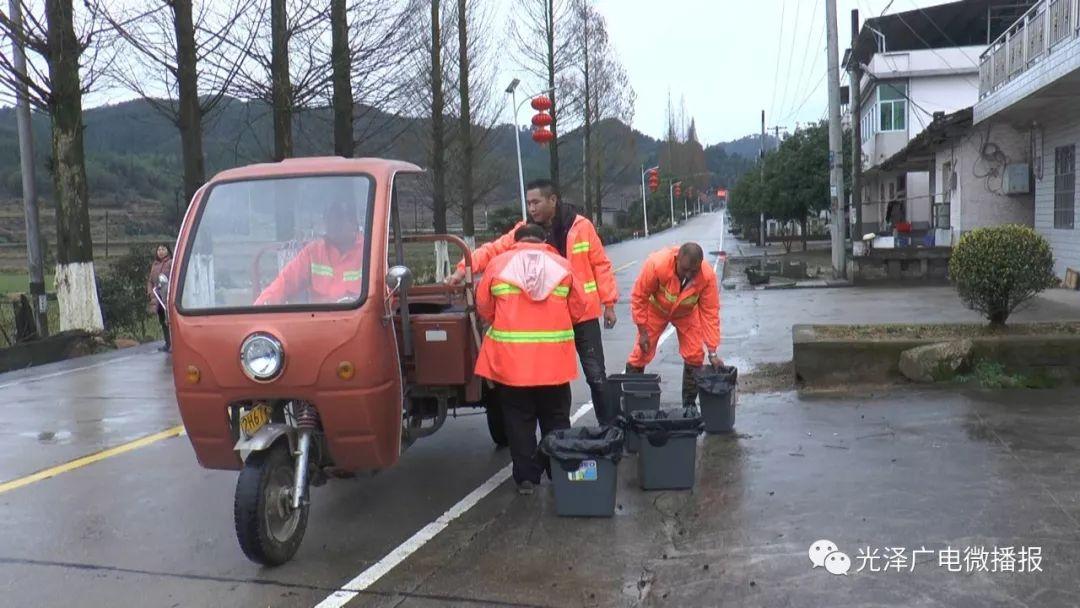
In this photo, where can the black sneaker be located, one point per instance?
(526, 488)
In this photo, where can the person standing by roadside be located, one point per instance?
(676, 287)
(162, 265)
(574, 237)
(531, 301)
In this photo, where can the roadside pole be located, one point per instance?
(671, 202)
(855, 71)
(761, 223)
(34, 260)
(644, 207)
(836, 148)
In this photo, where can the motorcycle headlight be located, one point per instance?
(261, 357)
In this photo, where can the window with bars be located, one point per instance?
(943, 205)
(1064, 187)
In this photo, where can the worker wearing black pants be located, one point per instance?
(523, 407)
(590, 349)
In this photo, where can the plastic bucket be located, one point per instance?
(668, 451)
(584, 469)
(638, 397)
(587, 490)
(615, 383)
(718, 410)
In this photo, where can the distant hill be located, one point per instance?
(133, 151)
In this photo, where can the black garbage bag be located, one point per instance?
(717, 381)
(570, 446)
(660, 426)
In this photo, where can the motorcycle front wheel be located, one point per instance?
(268, 528)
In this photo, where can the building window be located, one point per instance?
(892, 106)
(1064, 187)
(943, 206)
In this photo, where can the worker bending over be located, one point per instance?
(677, 287)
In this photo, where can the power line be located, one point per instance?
(804, 75)
(801, 90)
(791, 54)
(944, 33)
(779, 47)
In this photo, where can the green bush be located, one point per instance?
(503, 219)
(996, 269)
(609, 235)
(122, 291)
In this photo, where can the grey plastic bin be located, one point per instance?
(668, 453)
(584, 469)
(716, 394)
(614, 391)
(638, 397)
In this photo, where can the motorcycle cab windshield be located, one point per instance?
(280, 243)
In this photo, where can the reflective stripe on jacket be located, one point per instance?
(584, 251)
(531, 300)
(320, 269)
(656, 293)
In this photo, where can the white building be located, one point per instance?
(978, 176)
(1030, 79)
(915, 64)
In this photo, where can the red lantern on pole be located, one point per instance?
(542, 136)
(541, 103)
(542, 119)
(654, 180)
(678, 190)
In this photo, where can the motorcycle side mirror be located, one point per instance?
(398, 278)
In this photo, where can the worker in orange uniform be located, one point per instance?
(575, 238)
(677, 287)
(328, 269)
(531, 300)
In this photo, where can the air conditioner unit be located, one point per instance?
(1017, 179)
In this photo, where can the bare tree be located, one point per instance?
(58, 89)
(340, 61)
(289, 72)
(438, 107)
(545, 52)
(596, 90)
(465, 121)
(176, 64)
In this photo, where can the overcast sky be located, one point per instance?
(722, 55)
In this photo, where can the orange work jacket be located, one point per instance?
(328, 274)
(656, 294)
(531, 300)
(586, 255)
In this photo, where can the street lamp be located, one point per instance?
(653, 180)
(511, 89)
(671, 200)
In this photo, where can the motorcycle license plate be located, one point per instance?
(255, 419)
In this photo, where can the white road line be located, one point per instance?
(66, 371)
(625, 266)
(381, 568)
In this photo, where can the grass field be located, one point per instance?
(16, 282)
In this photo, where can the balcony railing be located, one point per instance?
(1031, 39)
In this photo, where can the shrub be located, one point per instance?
(996, 269)
(122, 291)
(609, 235)
(503, 219)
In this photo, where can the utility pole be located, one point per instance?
(761, 162)
(856, 130)
(34, 261)
(671, 201)
(776, 131)
(836, 147)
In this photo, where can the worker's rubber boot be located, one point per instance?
(689, 385)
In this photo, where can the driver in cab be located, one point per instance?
(330, 269)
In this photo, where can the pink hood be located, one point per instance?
(534, 271)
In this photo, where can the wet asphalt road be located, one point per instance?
(149, 527)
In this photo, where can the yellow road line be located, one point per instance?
(175, 431)
(625, 266)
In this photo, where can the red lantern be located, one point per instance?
(542, 136)
(541, 103)
(543, 119)
(678, 189)
(654, 180)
